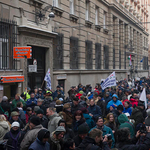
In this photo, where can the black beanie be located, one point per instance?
(40, 111)
(35, 120)
(120, 107)
(141, 103)
(83, 128)
(43, 134)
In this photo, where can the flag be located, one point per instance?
(130, 60)
(142, 60)
(110, 81)
(48, 79)
(143, 98)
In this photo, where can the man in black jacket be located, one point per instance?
(92, 142)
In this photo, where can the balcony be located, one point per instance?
(131, 9)
(126, 4)
(121, 1)
(134, 12)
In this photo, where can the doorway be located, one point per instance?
(35, 79)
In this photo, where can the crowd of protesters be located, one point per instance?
(88, 118)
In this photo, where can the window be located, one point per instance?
(98, 56)
(73, 53)
(58, 52)
(56, 3)
(72, 10)
(106, 57)
(88, 55)
(96, 16)
(104, 20)
(87, 13)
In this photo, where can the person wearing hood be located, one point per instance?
(56, 138)
(107, 97)
(137, 114)
(4, 126)
(114, 101)
(53, 119)
(93, 140)
(41, 142)
(32, 101)
(14, 137)
(124, 123)
(134, 102)
(31, 135)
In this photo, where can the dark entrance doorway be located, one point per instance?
(36, 79)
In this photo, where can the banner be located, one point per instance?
(110, 81)
(143, 97)
(48, 79)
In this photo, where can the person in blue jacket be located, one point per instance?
(106, 130)
(32, 101)
(41, 142)
(127, 108)
(114, 101)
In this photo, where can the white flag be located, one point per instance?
(143, 97)
(48, 79)
(110, 81)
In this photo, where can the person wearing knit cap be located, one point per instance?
(67, 115)
(43, 119)
(147, 119)
(40, 104)
(41, 142)
(82, 133)
(14, 136)
(56, 138)
(31, 135)
(35, 109)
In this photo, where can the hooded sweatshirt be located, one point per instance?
(134, 102)
(124, 123)
(4, 128)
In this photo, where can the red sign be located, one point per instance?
(10, 79)
(22, 52)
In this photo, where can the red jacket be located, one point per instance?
(126, 100)
(133, 102)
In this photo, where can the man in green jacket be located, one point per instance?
(124, 122)
(16, 100)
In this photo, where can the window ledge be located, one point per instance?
(39, 2)
(88, 23)
(58, 10)
(98, 27)
(106, 30)
(74, 17)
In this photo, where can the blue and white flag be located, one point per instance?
(110, 81)
(142, 60)
(48, 79)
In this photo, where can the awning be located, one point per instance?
(11, 79)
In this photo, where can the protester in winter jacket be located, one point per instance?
(94, 110)
(4, 126)
(83, 130)
(41, 142)
(59, 105)
(147, 119)
(92, 141)
(107, 97)
(125, 143)
(69, 132)
(133, 102)
(21, 112)
(40, 94)
(57, 92)
(48, 99)
(67, 115)
(114, 101)
(106, 130)
(124, 123)
(120, 94)
(56, 138)
(40, 104)
(78, 120)
(75, 105)
(31, 135)
(88, 118)
(53, 119)
(14, 137)
(127, 108)
(32, 101)
(69, 144)
(43, 119)
(28, 113)
(16, 100)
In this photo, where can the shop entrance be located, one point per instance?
(36, 79)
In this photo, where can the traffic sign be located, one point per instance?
(32, 68)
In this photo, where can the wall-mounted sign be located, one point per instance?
(22, 52)
(10, 79)
(32, 68)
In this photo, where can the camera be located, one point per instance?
(142, 128)
(51, 15)
(108, 136)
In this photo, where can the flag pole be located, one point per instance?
(42, 84)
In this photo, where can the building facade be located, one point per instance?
(85, 42)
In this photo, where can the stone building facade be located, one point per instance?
(85, 42)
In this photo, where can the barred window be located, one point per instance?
(106, 57)
(58, 52)
(73, 53)
(88, 55)
(97, 55)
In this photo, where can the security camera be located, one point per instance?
(51, 15)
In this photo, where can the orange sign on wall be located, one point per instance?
(10, 79)
(22, 52)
